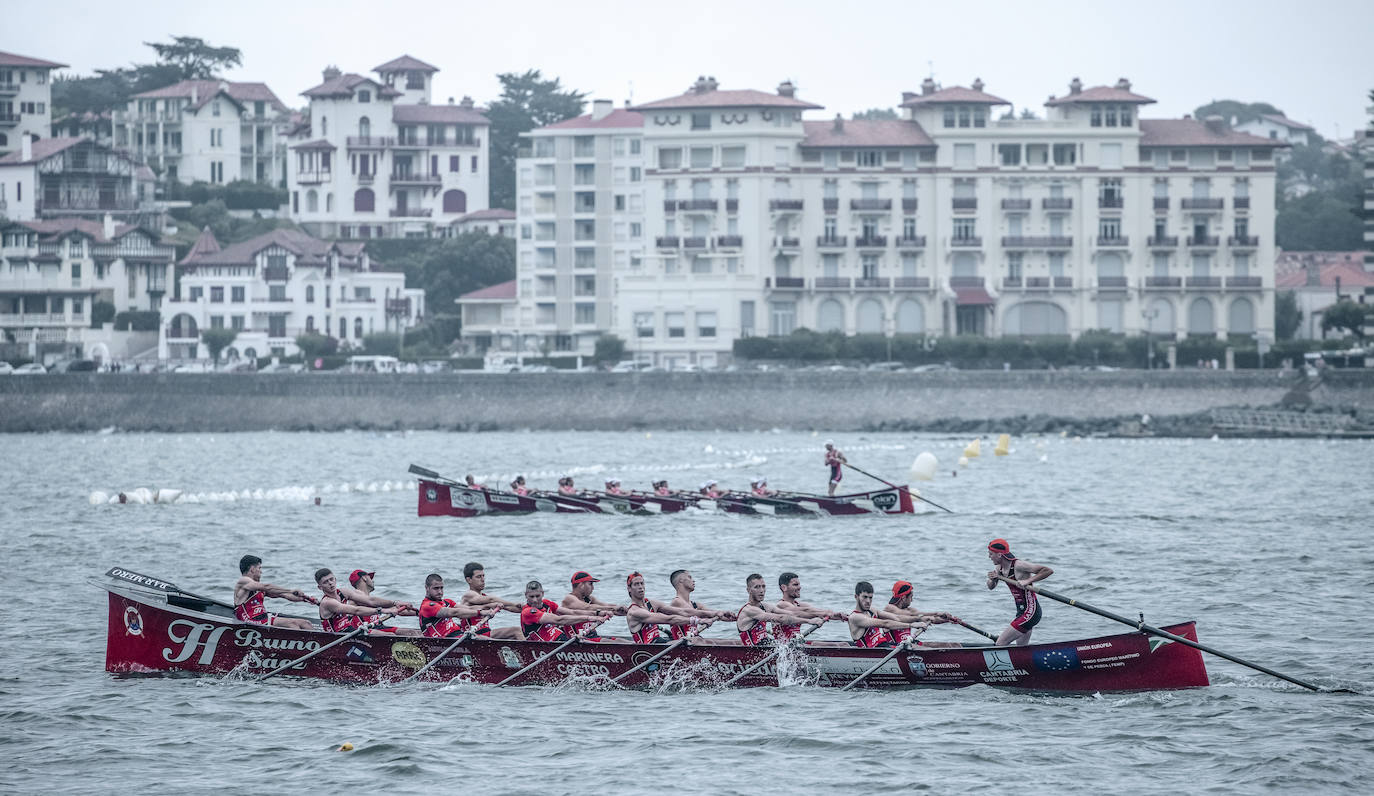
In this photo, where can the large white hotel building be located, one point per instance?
(683, 224)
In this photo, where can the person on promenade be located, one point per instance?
(869, 628)
(684, 584)
(1027, 603)
(476, 597)
(752, 619)
(643, 616)
(337, 615)
(580, 600)
(835, 460)
(441, 617)
(359, 592)
(545, 620)
(249, 591)
(899, 605)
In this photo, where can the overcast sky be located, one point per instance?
(1312, 59)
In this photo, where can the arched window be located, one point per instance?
(1110, 264)
(312, 201)
(250, 353)
(183, 326)
(965, 264)
(329, 203)
(309, 294)
(1036, 318)
(1161, 317)
(231, 353)
(830, 316)
(364, 127)
(1200, 317)
(1241, 319)
(358, 328)
(911, 318)
(455, 201)
(363, 200)
(343, 328)
(310, 323)
(870, 317)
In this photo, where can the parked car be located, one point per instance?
(890, 367)
(192, 367)
(933, 368)
(629, 366)
(31, 367)
(5, 368)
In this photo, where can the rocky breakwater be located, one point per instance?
(1016, 401)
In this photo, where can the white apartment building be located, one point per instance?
(1278, 128)
(379, 159)
(25, 99)
(61, 177)
(277, 286)
(53, 271)
(213, 131)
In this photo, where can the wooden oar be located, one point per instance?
(363, 628)
(905, 645)
(616, 680)
(894, 486)
(1154, 631)
(541, 659)
(770, 656)
(980, 631)
(450, 648)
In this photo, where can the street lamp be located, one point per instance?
(1149, 316)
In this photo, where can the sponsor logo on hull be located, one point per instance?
(407, 654)
(133, 621)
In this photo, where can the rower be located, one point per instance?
(613, 487)
(337, 615)
(476, 597)
(869, 628)
(753, 617)
(644, 615)
(790, 602)
(684, 584)
(835, 460)
(759, 486)
(565, 486)
(359, 592)
(441, 617)
(580, 600)
(545, 620)
(1025, 573)
(899, 605)
(472, 482)
(708, 489)
(249, 591)
(518, 486)
(661, 488)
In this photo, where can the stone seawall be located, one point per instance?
(839, 401)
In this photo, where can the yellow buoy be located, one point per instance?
(1003, 445)
(347, 747)
(974, 449)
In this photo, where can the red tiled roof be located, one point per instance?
(423, 114)
(1286, 122)
(1291, 269)
(61, 227)
(959, 94)
(42, 148)
(205, 244)
(206, 90)
(616, 118)
(738, 98)
(865, 132)
(1191, 132)
(12, 59)
(972, 296)
(497, 213)
(405, 63)
(318, 143)
(504, 291)
(293, 240)
(1101, 94)
(343, 86)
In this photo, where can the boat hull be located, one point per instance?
(166, 632)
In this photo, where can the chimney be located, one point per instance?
(699, 87)
(466, 102)
(928, 86)
(195, 94)
(839, 123)
(1075, 86)
(25, 148)
(1216, 125)
(786, 89)
(109, 227)
(331, 72)
(1123, 84)
(601, 109)
(450, 100)
(978, 84)
(1314, 274)
(711, 84)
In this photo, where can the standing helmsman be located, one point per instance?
(835, 461)
(1024, 573)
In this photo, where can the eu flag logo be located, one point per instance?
(1060, 659)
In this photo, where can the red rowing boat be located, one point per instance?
(157, 629)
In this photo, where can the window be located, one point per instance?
(636, 174)
(701, 264)
(363, 200)
(584, 146)
(965, 228)
(732, 156)
(216, 295)
(746, 319)
(358, 328)
(1015, 260)
(783, 318)
(782, 156)
(309, 294)
(1037, 154)
(1243, 188)
(831, 229)
(636, 230)
(1065, 154)
(363, 96)
(276, 293)
(1056, 263)
(584, 174)
(343, 328)
(706, 324)
(1010, 154)
(474, 164)
(1202, 188)
(676, 322)
(908, 228)
(635, 146)
(870, 158)
(669, 158)
(455, 163)
(702, 157)
(1109, 228)
(214, 110)
(701, 121)
(455, 201)
(237, 323)
(869, 266)
(949, 116)
(543, 147)
(236, 294)
(1161, 189)
(644, 324)
(1160, 264)
(197, 293)
(584, 313)
(216, 321)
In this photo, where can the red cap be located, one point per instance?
(1000, 546)
(357, 575)
(901, 588)
(631, 577)
(583, 577)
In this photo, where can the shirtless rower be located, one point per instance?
(644, 615)
(708, 489)
(661, 488)
(835, 460)
(1025, 573)
(899, 605)
(753, 617)
(790, 602)
(613, 487)
(337, 615)
(518, 486)
(476, 597)
(565, 486)
(472, 482)
(545, 620)
(441, 617)
(684, 584)
(249, 591)
(580, 599)
(759, 486)
(869, 628)
(359, 592)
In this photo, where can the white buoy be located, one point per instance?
(141, 495)
(1044, 457)
(167, 496)
(923, 469)
(99, 498)
(963, 461)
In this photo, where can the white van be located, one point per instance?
(373, 364)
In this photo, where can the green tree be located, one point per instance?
(1318, 221)
(102, 312)
(382, 344)
(183, 58)
(527, 101)
(217, 340)
(314, 345)
(610, 349)
(196, 59)
(447, 268)
(1287, 316)
(876, 113)
(1346, 315)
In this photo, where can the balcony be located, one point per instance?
(1161, 203)
(1204, 241)
(832, 283)
(697, 204)
(1241, 203)
(873, 283)
(398, 306)
(964, 203)
(870, 204)
(832, 242)
(972, 242)
(313, 177)
(781, 242)
(966, 281)
(7, 89)
(1016, 204)
(732, 205)
(1119, 242)
(1037, 242)
(696, 242)
(369, 142)
(1203, 204)
(1038, 282)
(1243, 241)
(785, 204)
(909, 206)
(729, 241)
(365, 178)
(871, 241)
(830, 205)
(39, 319)
(1110, 283)
(1057, 203)
(784, 282)
(416, 179)
(1244, 283)
(86, 205)
(411, 212)
(1203, 281)
(911, 282)
(409, 143)
(1162, 241)
(1163, 282)
(911, 242)
(1109, 202)
(9, 119)
(668, 242)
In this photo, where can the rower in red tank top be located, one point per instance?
(581, 600)
(661, 488)
(338, 615)
(545, 620)
(869, 628)
(441, 617)
(518, 486)
(643, 616)
(753, 617)
(565, 486)
(476, 597)
(249, 591)
(789, 583)
(683, 585)
(1024, 573)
